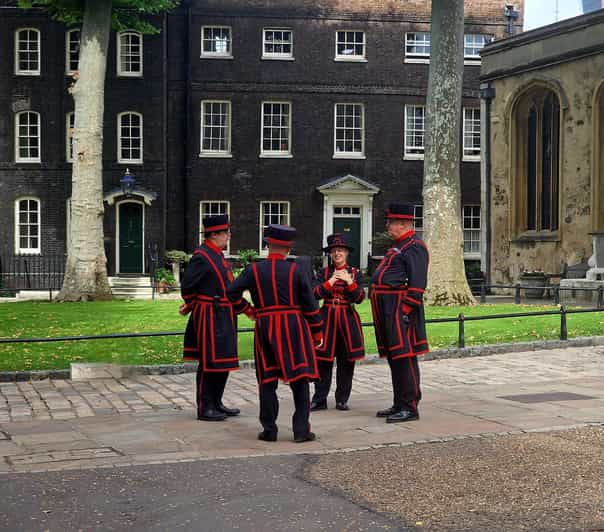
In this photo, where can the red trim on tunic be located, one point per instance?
(275, 256)
(258, 287)
(291, 284)
(207, 242)
(405, 235)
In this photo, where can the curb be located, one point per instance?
(438, 354)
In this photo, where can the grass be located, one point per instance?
(42, 319)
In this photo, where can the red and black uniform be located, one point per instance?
(286, 322)
(211, 333)
(397, 289)
(342, 333)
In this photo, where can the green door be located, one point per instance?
(351, 227)
(131, 237)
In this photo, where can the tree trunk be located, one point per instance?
(447, 283)
(86, 269)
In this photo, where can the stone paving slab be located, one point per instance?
(151, 419)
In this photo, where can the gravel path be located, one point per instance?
(538, 481)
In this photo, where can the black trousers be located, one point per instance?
(344, 374)
(269, 406)
(210, 387)
(405, 383)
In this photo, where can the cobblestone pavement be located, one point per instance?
(60, 424)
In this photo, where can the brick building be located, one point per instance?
(295, 112)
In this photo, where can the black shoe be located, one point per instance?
(314, 406)
(403, 415)
(309, 436)
(342, 406)
(211, 414)
(267, 435)
(228, 411)
(387, 412)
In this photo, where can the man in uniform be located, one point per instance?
(338, 285)
(211, 334)
(288, 326)
(397, 289)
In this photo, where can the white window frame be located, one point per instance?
(209, 152)
(69, 128)
(286, 154)
(469, 151)
(278, 56)
(217, 55)
(18, 158)
(354, 58)
(203, 212)
(68, 70)
(262, 247)
(418, 220)
(417, 57)
(472, 59)
(347, 154)
(476, 232)
(18, 71)
(411, 152)
(120, 159)
(129, 73)
(29, 250)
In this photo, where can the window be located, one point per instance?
(535, 167)
(276, 129)
(349, 130)
(27, 52)
(216, 41)
(72, 51)
(418, 223)
(415, 120)
(353, 212)
(213, 208)
(130, 138)
(473, 43)
(272, 212)
(471, 134)
(350, 46)
(27, 137)
(69, 125)
(129, 54)
(277, 44)
(215, 128)
(27, 225)
(471, 229)
(417, 46)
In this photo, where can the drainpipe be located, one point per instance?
(188, 128)
(164, 191)
(487, 93)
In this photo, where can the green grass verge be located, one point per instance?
(42, 319)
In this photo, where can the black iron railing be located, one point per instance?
(31, 272)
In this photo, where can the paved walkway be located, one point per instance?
(62, 424)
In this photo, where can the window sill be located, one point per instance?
(345, 59)
(417, 60)
(536, 236)
(471, 62)
(275, 156)
(202, 56)
(277, 58)
(124, 161)
(472, 256)
(28, 161)
(471, 159)
(349, 156)
(216, 155)
(413, 157)
(128, 75)
(28, 74)
(28, 252)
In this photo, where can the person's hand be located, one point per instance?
(184, 309)
(344, 275)
(333, 279)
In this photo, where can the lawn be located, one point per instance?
(42, 319)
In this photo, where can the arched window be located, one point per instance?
(27, 137)
(129, 54)
(536, 145)
(27, 225)
(130, 138)
(27, 52)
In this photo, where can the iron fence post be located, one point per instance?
(517, 294)
(483, 292)
(556, 295)
(461, 339)
(563, 324)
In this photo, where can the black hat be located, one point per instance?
(337, 240)
(401, 211)
(282, 235)
(212, 224)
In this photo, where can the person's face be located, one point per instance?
(395, 228)
(221, 238)
(339, 256)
